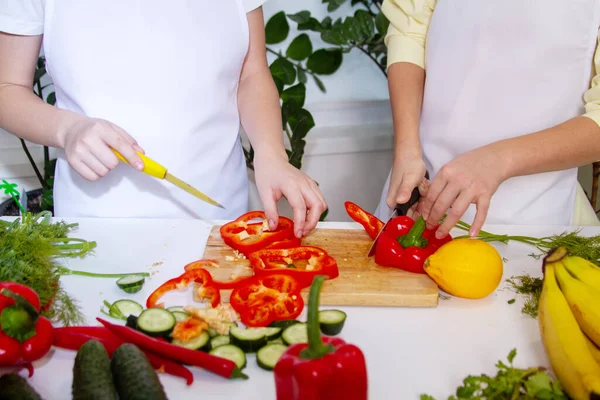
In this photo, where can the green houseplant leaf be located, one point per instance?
(301, 17)
(297, 93)
(300, 48)
(277, 28)
(325, 61)
(283, 69)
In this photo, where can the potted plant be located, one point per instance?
(40, 199)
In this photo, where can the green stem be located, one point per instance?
(381, 67)
(414, 237)
(316, 347)
(32, 162)
(66, 271)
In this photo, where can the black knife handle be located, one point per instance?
(415, 196)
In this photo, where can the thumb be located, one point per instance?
(270, 207)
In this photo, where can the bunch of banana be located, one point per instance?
(569, 318)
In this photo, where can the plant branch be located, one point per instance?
(595, 177)
(297, 64)
(367, 6)
(381, 67)
(33, 164)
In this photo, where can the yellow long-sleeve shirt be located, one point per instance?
(406, 42)
(407, 33)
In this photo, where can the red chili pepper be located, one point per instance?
(25, 336)
(406, 244)
(327, 368)
(197, 275)
(247, 237)
(218, 365)
(73, 337)
(371, 223)
(301, 263)
(262, 300)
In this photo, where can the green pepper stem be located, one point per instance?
(316, 347)
(414, 237)
(67, 271)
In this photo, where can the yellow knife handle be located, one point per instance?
(151, 167)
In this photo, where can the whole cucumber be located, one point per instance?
(134, 376)
(15, 387)
(92, 377)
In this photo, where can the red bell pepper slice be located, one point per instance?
(291, 262)
(371, 223)
(262, 300)
(25, 336)
(406, 244)
(327, 368)
(247, 237)
(198, 275)
(198, 264)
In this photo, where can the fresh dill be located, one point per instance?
(531, 289)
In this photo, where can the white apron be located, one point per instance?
(498, 69)
(167, 73)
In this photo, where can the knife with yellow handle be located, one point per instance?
(156, 170)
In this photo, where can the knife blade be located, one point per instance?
(399, 210)
(156, 170)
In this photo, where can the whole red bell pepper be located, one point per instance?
(25, 336)
(327, 368)
(301, 263)
(261, 300)
(371, 223)
(196, 275)
(406, 244)
(247, 237)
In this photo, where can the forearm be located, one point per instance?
(569, 145)
(406, 84)
(260, 113)
(25, 115)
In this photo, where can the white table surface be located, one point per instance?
(409, 351)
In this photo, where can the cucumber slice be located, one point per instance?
(219, 341)
(180, 316)
(177, 308)
(156, 322)
(296, 333)
(284, 324)
(128, 307)
(131, 283)
(197, 343)
(267, 357)
(249, 339)
(331, 321)
(132, 322)
(279, 340)
(232, 353)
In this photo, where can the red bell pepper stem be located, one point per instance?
(73, 337)
(217, 365)
(414, 237)
(316, 348)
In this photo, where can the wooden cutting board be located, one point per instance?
(361, 282)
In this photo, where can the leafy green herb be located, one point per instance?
(113, 311)
(509, 383)
(29, 249)
(511, 301)
(529, 287)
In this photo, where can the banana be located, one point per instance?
(593, 349)
(584, 302)
(565, 343)
(583, 270)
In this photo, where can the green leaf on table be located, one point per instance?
(277, 28)
(511, 355)
(301, 17)
(334, 4)
(297, 93)
(325, 61)
(300, 48)
(301, 75)
(382, 23)
(319, 83)
(365, 24)
(284, 70)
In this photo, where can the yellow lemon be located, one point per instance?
(469, 268)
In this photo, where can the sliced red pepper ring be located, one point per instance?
(198, 275)
(262, 300)
(247, 237)
(201, 264)
(188, 329)
(301, 263)
(371, 223)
